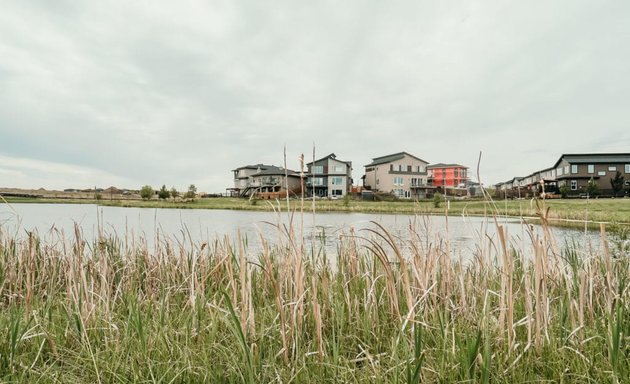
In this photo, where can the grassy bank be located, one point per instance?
(598, 210)
(104, 311)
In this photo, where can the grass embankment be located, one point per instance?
(598, 210)
(104, 311)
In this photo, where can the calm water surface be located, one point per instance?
(465, 234)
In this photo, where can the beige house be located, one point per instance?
(402, 174)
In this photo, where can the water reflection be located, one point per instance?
(466, 235)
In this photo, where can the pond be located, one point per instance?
(464, 234)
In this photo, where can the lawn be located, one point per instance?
(597, 210)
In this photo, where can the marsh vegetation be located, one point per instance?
(380, 309)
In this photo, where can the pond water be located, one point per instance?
(464, 234)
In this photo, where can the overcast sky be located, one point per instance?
(128, 93)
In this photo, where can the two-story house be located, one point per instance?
(402, 174)
(575, 170)
(329, 177)
(261, 178)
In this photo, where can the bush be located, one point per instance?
(437, 200)
(592, 188)
(146, 192)
(164, 193)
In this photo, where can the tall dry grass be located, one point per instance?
(381, 309)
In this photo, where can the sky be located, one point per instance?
(128, 93)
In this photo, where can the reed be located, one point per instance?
(383, 308)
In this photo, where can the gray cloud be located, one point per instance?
(136, 93)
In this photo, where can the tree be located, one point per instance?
(564, 191)
(146, 192)
(164, 193)
(192, 192)
(174, 193)
(617, 183)
(592, 188)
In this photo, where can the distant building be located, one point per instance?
(400, 173)
(571, 172)
(329, 177)
(256, 179)
(575, 171)
(448, 176)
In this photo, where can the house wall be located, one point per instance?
(449, 176)
(335, 177)
(397, 175)
(243, 176)
(578, 175)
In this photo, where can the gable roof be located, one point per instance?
(255, 166)
(392, 157)
(273, 170)
(594, 158)
(331, 156)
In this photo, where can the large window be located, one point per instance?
(559, 171)
(566, 169)
(398, 180)
(318, 169)
(337, 180)
(337, 192)
(339, 169)
(574, 185)
(574, 168)
(402, 194)
(317, 180)
(591, 168)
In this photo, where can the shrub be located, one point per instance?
(146, 192)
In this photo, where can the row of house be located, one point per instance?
(404, 175)
(571, 173)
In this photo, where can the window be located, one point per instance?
(318, 169)
(574, 168)
(420, 168)
(627, 168)
(402, 194)
(398, 180)
(415, 182)
(574, 185)
(337, 192)
(612, 168)
(591, 168)
(601, 173)
(566, 169)
(559, 171)
(317, 180)
(337, 180)
(339, 169)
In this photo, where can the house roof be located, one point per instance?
(442, 165)
(392, 157)
(273, 170)
(331, 156)
(594, 158)
(255, 166)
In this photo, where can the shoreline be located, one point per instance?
(559, 213)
